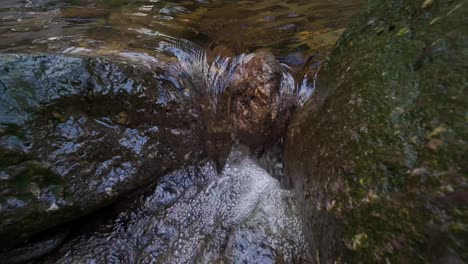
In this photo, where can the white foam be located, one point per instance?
(240, 216)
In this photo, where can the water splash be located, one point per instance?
(206, 79)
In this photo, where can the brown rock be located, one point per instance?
(253, 97)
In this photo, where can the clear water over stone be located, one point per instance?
(195, 215)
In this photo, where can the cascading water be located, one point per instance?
(140, 88)
(197, 214)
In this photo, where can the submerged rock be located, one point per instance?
(76, 133)
(377, 157)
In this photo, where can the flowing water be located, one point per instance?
(196, 214)
(118, 25)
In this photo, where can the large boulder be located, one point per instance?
(76, 133)
(377, 157)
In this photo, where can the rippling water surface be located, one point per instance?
(235, 26)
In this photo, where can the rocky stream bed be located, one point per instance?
(198, 155)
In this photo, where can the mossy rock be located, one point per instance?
(377, 157)
(77, 133)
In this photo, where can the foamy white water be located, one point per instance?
(197, 216)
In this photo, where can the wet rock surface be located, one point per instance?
(37, 246)
(377, 158)
(79, 133)
(254, 97)
(76, 133)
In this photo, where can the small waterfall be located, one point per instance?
(206, 76)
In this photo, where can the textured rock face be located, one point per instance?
(378, 157)
(77, 133)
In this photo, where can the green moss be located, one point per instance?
(385, 136)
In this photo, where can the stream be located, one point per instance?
(230, 206)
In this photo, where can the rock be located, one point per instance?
(35, 248)
(254, 97)
(77, 133)
(387, 103)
